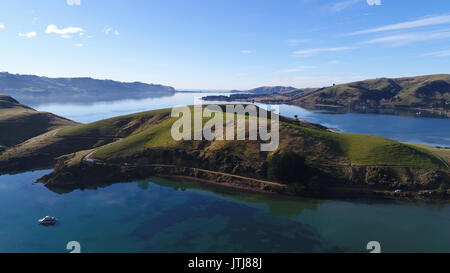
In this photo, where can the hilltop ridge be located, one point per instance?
(420, 92)
(310, 159)
(31, 89)
(19, 122)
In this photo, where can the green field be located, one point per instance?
(19, 122)
(358, 149)
(374, 150)
(125, 136)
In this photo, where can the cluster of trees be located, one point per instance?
(288, 167)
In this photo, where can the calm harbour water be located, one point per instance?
(159, 215)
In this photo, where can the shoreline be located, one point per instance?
(443, 113)
(96, 175)
(407, 196)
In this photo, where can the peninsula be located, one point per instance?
(430, 92)
(310, 160)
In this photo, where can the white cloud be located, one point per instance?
(405, 39)
(66, 36)
(28, 34)
(246, 51)
(435, 20)
(296, 69)
(108, 30)
(374, 2)
(2, 26)
(64, 32)
(442, 53)
(314, 51)
(339, 6)
(79, 45)
(73, 2)
(294, 42)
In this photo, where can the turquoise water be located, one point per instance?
(404, 126)
(159, 215)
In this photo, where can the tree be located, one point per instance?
(288, 167)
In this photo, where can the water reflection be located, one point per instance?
(277, 205)
(165, 215)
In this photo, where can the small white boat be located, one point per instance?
(47, 220)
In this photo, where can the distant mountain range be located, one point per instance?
(266, 90)
(30, 89)
(427, 92)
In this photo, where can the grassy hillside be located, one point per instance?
(19, 122)
(307, 153)
(270, 89)
(442, 153)
(42, 150)
(309, 157)
(316, 146)
(431, 91)
(427, 92)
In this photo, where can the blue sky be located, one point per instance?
(216, 44)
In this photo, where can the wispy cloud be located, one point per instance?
(374, 2)
(405, 39)
(79, 45)
(2, 26)
(28, 34)
(339, 6)
(294, 42)
(64, 32)
(296, 69)
(108, 30)
(246, 51)
(315, 51)
(73, 2)
(442, 53)
(430, 21)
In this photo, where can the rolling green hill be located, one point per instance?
(270, 90)
(432, 91)
(19, 123)
(308, 156)
(139, 132)
(423, 92)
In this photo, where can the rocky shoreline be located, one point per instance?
(86, 176)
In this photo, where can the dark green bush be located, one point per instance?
(287, 167)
